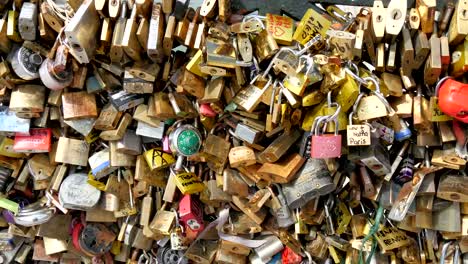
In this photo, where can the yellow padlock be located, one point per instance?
(158, 159)
(188, 182)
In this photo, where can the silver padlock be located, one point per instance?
(148, 131)
(25, 63)
(247, 133)
(283, 215)
(11, 124)
(34, 214)
(265, 252)
(27, 21)
(75, 192)
(53, 80)
(130, 143)
(123, 100)
(313, 180)
(100, 164)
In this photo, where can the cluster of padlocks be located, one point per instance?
(145, 131)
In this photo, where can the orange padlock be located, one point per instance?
(453, 96)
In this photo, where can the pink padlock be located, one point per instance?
(191, 213)
(325, 146)
(206, 110)
(166, 144)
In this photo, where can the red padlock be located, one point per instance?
(206, 110)
(290, 257)
(191, 214)
(453, 98)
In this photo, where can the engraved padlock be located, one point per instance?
(314, 179)
(326, 146)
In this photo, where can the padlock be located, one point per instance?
(185, 139)
(25, 63)
(357, 135)
(27, 21)
(191, 214)
(163, 221)
(249, 97)
(78, 105)
(311, 24)
(145, 113)
(456, 31)
(192, 83)
(449, 89)
(216, 193)
(176, 235)
(241, 156)
(265, 45)
(86, 19)
(77, 184)
(283, 214)
(451, 187)
(278, 147)
(265, 252)
(187, 182)
(133, 84)
(233, 184)
(313, 180)
(220, 53)
(119, 132)
(122, 100)
(36, 141)
(283, 170)
(201, 251)
(325, 146)
(157, 159)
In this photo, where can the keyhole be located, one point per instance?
(379, 18)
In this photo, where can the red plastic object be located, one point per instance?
(453, 99)
(290, 257)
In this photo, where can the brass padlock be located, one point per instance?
(163, 221)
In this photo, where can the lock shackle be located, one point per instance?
(354, 74)
(337, 112)
(358, 101)
(339, 14)
(269, 82)
(315, 125)
(443, 254)
(335, 120)
(439, 83)
(216, 126)
(309, 61)
(309, 44)
(254, 17)
(177, 224)
(350, 118)
(273, 94)
(329, 100)
(278, 188)
(374, 81)
(272, 62)
(379, 95)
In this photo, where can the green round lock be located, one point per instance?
(188, 142)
